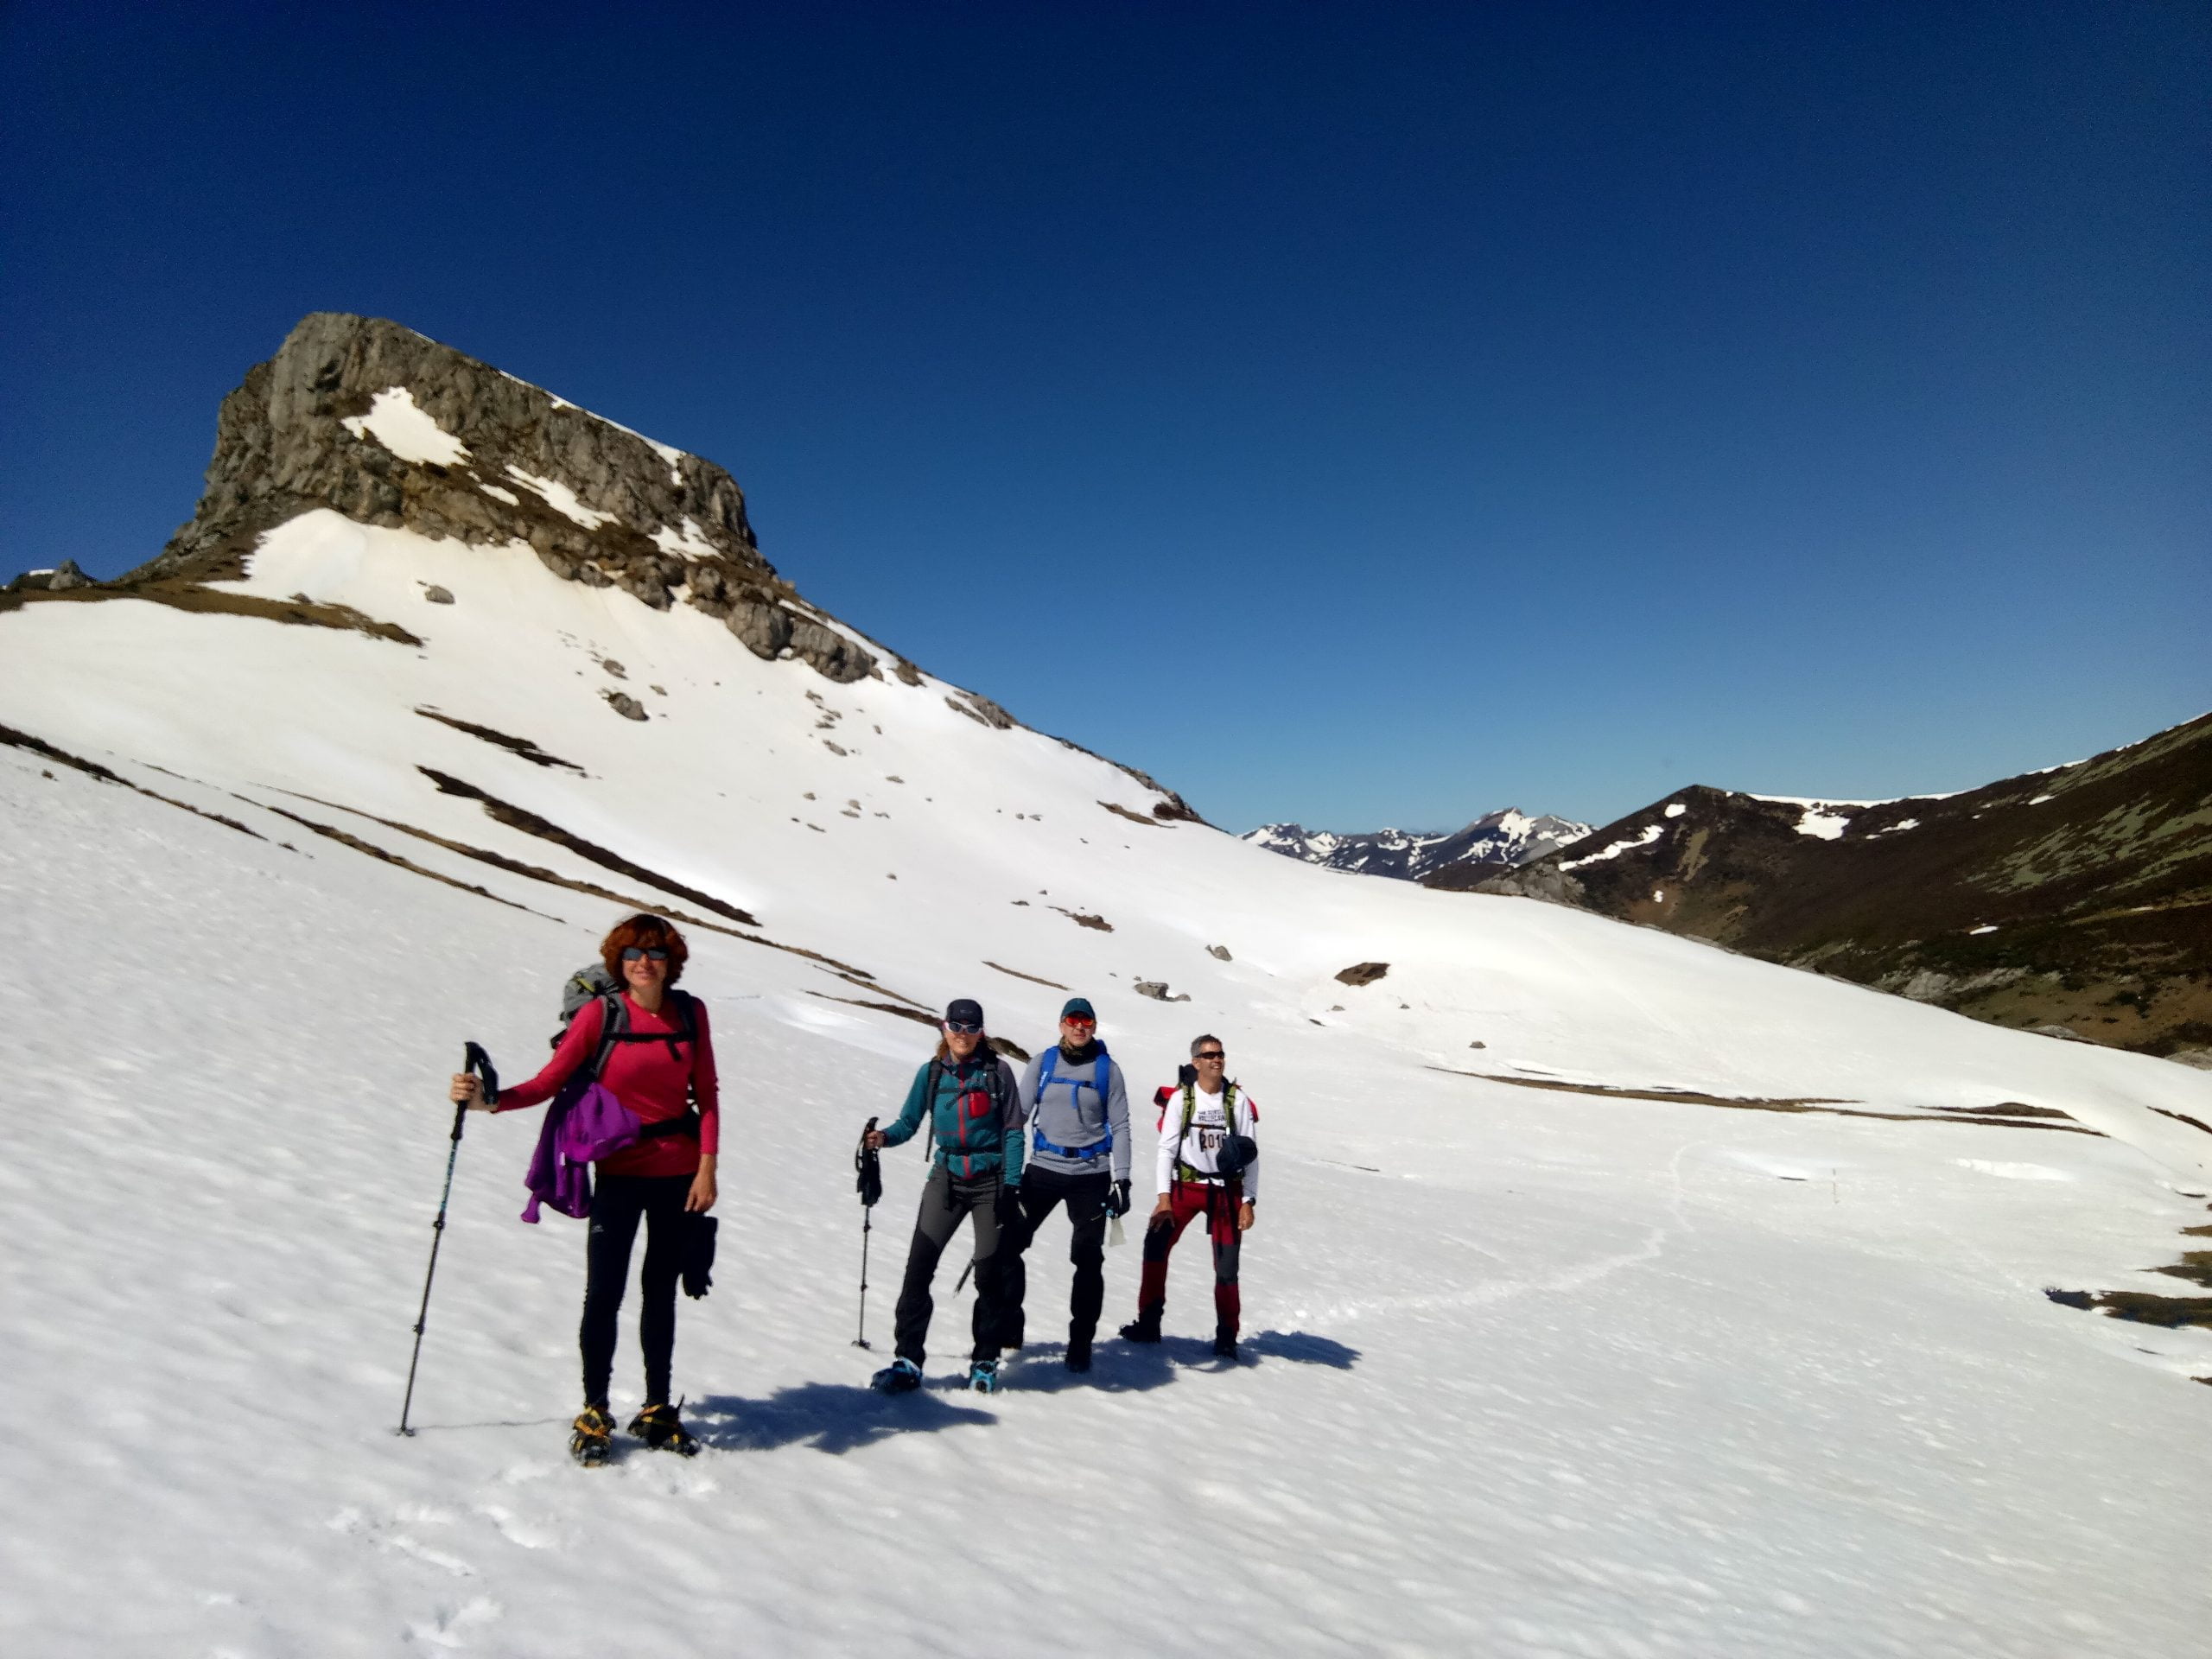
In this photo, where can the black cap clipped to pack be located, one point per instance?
(964, 1011)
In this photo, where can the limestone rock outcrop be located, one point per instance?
(374, 421)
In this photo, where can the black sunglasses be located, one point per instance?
(1210, 1054)
(963, 1027)
(634, 954)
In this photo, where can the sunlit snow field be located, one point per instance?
(1528, 1372)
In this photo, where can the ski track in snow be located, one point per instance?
(1528, 1373)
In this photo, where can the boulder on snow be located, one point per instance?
(1362, 973)
(1218, 952)
(1157, 990)
(624, 704)
(64, 577)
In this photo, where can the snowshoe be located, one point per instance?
(1224, 1342)
(661, 1429)
(1143, 1328)
(983, 1376)
(900, 1376)
(590, 1442)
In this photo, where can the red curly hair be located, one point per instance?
(647, 932)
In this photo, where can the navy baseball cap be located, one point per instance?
(964, 1011)
(1080, 1008)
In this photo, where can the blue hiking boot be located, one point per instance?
(983, 1376)
(900, 1376)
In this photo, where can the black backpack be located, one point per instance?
(1236, 1152)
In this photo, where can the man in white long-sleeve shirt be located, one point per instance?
(1194, 1119)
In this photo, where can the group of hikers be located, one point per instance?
(634, 1095)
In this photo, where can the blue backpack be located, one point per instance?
(1101, 1076)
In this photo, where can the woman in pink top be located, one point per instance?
(662, 1068)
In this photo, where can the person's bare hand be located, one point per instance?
(873, 1140)
(705, 1191)
(1245, 1219)
(468, 1090)
(1164, 1209)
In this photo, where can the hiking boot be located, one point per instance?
(1143, 1328)
(1078, 1353)
(983, 1376)
(589, 1443)
(901, 1375)
(1224, 1342)
(659, 1427)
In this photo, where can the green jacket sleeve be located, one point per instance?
(910, 1115)
(1011, 1138)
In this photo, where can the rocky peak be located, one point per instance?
(371, 420)
(1496, 840)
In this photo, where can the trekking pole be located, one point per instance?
(476, 1060)
(868, 1183)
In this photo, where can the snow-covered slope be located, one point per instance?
(1496, 841)
(1612, 1294)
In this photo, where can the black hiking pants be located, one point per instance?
(1085, 1196)
(944, 1202)
(618, 1202)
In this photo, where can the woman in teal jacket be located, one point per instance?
(969, 1095)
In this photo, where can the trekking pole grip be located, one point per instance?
(476, 1060)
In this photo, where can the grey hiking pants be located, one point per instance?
(944, 1202)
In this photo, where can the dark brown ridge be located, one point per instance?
(531, 872)
(1133, 818)
(1811, 1103)
(1015, 973)
(521, 746)
(377, 852)
(10, 735)
(190, 596)
(530, 823)
(2184, 1117)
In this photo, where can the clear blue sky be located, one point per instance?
(1357, 413)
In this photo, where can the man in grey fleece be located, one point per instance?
(1075, 1104)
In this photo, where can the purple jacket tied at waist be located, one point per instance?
(583, 1123)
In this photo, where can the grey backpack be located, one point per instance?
(593, 983)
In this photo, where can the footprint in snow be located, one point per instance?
(449, 1626)
(383, 1534)
(528, 1534)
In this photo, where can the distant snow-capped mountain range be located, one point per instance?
(1501, 840)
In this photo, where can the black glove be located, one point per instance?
(1008, 1209)
(1117, 1198)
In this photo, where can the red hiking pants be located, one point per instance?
(1187, 1201)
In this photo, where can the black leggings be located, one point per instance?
(616, 1201)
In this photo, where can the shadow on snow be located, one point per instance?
(841, 1417)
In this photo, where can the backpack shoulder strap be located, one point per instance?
(933, 1080)
(613, 1026)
